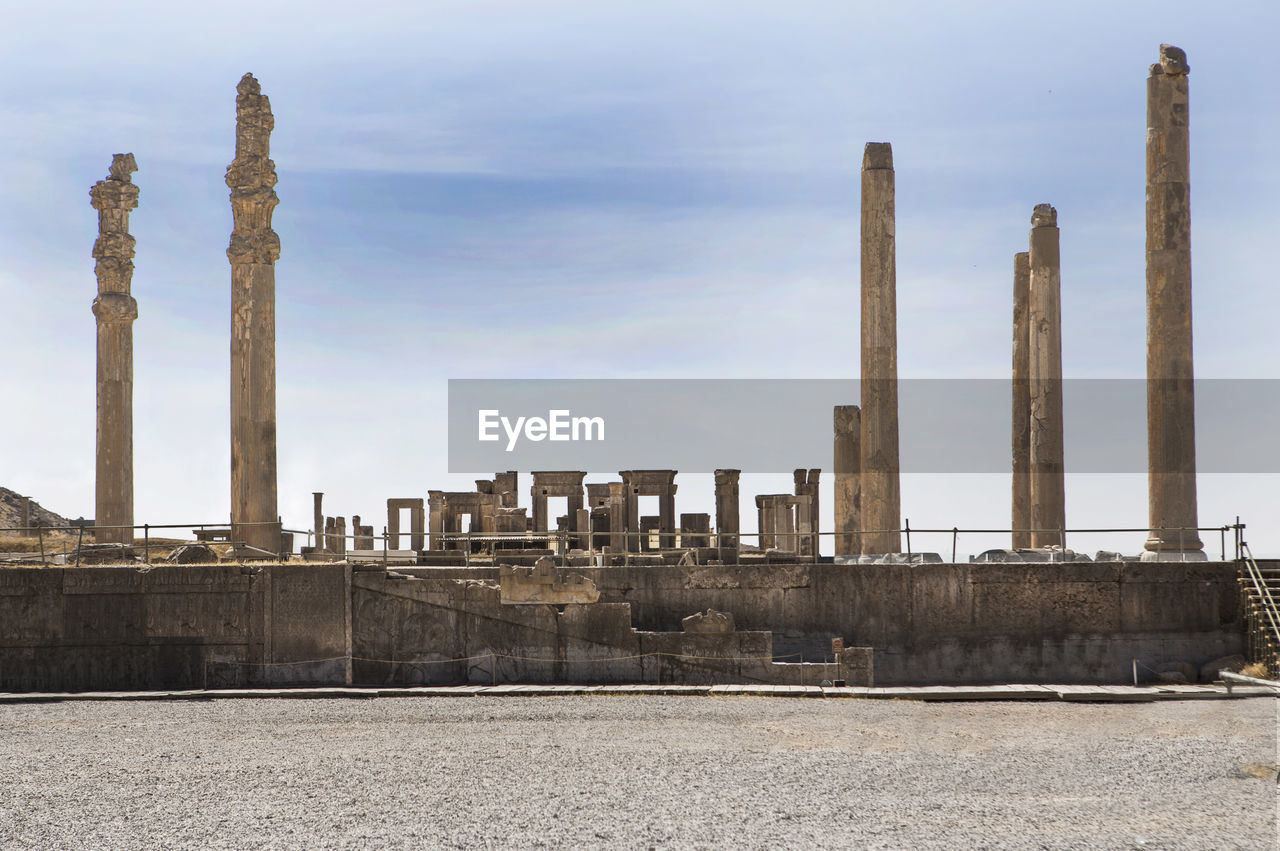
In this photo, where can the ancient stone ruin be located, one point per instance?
(471, 586)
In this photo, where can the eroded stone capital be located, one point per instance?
(1044, 216)
(251, 177)
(1173, 62)
(111, 308)
(256, 246)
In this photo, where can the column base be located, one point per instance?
(1174, 555)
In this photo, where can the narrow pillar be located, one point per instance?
(115, 311)
(253, 251)
(318, 518)
(806, 484)
(1171, 428)
(728, 521)
(1021, 497)
(881, 490)
(667, 518)
(1044, 312)
(848, 494)
(26, 517)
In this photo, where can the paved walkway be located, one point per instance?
(1088, 693)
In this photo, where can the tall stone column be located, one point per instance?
(115, 311)
(1171, 428)
(1021, 497)
(253, 251)
(848, 492)
(1044, 315)
(881, 494)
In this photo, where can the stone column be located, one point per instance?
(848, 495)
(806, 484)
(115, 311)
(728, 522)
(26, 517)
(1044, 312)
(318, 518)
(667, 518)
(1171, 429)
(881, 493)
(1021, 497)
(253, 251)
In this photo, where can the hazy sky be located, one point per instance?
(573, 189)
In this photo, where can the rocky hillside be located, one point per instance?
(11, 512)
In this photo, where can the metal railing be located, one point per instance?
(1262, 616)
(561, 541)
(93, 547)
(805, 544)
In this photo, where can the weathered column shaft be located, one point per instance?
(253, 251)
(727, 509)
(881, 493)
(1044, 312)
(1171, 431)
(1021, 497)
(848, 493)
(317, 498)
(115, 310)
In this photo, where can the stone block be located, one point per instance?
(544, 583)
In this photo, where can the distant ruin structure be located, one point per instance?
(881, 491)
(1021, 498)
(728, 517)
(115, 311)
(1171, 431)
(253, 252)
(1044, 316)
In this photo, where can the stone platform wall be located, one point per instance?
(955, 623)
(183, 627)
(170, 626)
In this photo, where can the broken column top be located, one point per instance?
(117, 192)
(878, 155)
(1044, 216)
(122, 165)
(847, 417)
(1173, 62)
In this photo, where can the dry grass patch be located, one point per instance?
(1256, 669)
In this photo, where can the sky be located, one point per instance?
(596, 190)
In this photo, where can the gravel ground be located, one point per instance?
(637, 772)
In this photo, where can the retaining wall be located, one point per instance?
(189, 626)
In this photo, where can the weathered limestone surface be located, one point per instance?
(253, 251)
(115, 310)
(1048, 484)
(881, 493)
(848, 492)
(1021, 497)
(1171, 433)
(728, 519)
(544, 583)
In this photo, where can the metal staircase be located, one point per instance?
(1261, 589)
